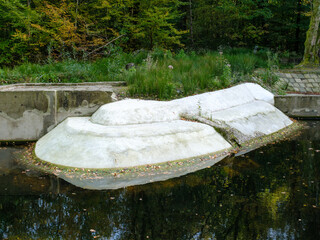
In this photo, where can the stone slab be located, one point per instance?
(137, 132)
(252, 120)
(80, 143)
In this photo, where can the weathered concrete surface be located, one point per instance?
(245, 109)
(28, 111)
(80, 143)
(134, 111)
(299, 105)
(135, 132)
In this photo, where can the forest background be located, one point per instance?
(93, 40)
(33, 30)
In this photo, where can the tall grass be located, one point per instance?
(189, 74)
(158, 74)
(105, 69)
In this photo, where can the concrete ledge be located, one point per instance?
(29, 111)
(299, 105)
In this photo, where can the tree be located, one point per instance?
(154, 24)
(312, 43)
(15, 30)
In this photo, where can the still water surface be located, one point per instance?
(270, 193)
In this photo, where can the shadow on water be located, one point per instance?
(269, 193)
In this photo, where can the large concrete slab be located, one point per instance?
(80, 143)
(29, 111)
(136, 132)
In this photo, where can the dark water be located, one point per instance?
(270, 193)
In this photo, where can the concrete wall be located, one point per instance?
(28, 111)
(298, 105)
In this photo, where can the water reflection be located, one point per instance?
(270, 193)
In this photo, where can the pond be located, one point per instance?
(269, 193)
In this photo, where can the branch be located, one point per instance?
(106, 44)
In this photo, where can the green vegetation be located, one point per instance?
(36, 30)
(157, 74)
(174, 44)
(165, 77)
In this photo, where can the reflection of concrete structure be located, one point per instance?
(136, 132)
(7, 159)
(28, 111)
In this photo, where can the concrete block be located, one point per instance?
(80, 103)
(26, 115)
(137, 132)
(28, 111)
(299, 105)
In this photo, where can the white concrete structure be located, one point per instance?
(79, 143)
(137, 132)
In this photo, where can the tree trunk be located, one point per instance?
(298, 21)
(312, 43)
(77, 6)
(191, 22)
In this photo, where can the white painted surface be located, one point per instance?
(134, 111)
(259, 93)
(253, 119)
(77, 142)
(137, 132)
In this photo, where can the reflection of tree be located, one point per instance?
(259, 196)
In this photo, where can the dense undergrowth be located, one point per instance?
(157, 74)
